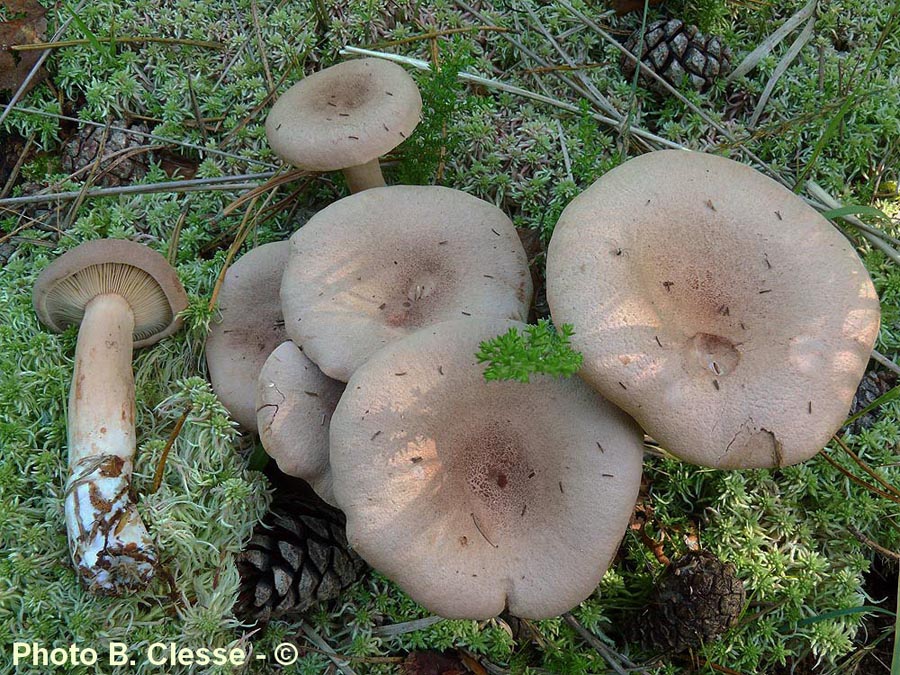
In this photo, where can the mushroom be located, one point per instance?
(295, 402)
(475, 496)
(730, 319)
(250, 328)
(123, 295)
(375, 266)
(344, 118)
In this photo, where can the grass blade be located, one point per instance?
(862, 609)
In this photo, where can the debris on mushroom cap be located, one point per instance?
(250, 328)
(295, 402)
(730, 319)
(139, 274)
(474, 495)
(345, 115)
(379, 264)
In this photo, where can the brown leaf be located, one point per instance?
(626, 6)
(27, 25)
(433, 663)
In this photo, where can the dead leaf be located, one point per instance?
(27, 24)
(626, 6)
(433, 663)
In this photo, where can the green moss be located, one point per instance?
(787, 532)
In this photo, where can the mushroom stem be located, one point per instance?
(364, 176)
(110, 545)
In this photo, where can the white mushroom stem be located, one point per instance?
(110, 546)
(364, 176)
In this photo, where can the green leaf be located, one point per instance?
(862, 609)
(857, 210)
(516, 355)
(889, 395)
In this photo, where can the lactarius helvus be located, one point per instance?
(344, 118)
(476, 496)
(730, 319)
(123, 295)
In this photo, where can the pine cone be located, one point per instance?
(873, 385)
(696, 599)
(124, 161)
(298, 556)
(676, 53)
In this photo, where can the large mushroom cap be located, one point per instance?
(139, 274)
(345, 115)
(251, 327)
(379, 264)
(730, 319)
(476, 495)
(295, 402)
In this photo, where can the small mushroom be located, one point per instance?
(730, 319)
(476, 496)
(344, 118)
(123, 295)
(295, 402)
(251, 327)
(378, 265)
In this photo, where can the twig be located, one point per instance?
(614, 659)
(440, 33)
(17, 166)
(865, 467)
(565, 151)
(885, 361)
(406, 627)
(317, 640)
(859, 481)
(239, 182)
(254, 14)
(124, 40)
(161, 465)
(512, 89)
(886, 552)
(144, 134)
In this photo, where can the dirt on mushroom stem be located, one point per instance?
(110, 545)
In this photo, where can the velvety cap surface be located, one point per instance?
(730, 319)
(345, 115)
(379, 264)
(295, 402)
(473, 495)
(251, 327)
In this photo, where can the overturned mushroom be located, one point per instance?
(730, 319)
(474, 496)
(377, 265)
(123, 295)
(295, 402)
(251, 327)
(344, 118)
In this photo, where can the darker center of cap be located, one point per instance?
(496, 469)
(714, 353)
(418, 287)
(346, 97)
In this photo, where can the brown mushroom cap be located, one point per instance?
(251, 327)
(138, 273)
(295, 402)
(730, 319)
(379, 264)
(345, 115)
(473, 495)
